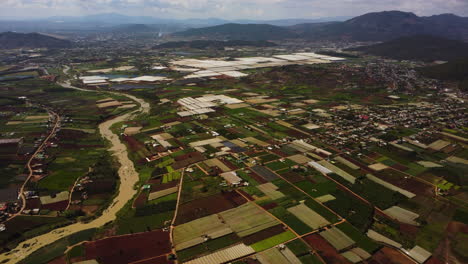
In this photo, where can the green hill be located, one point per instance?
(421, 47)
(387, 25)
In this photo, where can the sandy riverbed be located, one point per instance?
(128, 178)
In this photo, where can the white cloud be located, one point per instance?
(254, 9)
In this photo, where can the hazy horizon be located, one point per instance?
(226, 9)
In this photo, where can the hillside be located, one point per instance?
(252, 32)
(11, 40)
(455, 70)
(421, 47)
(382, 26)
(379, 26)
(215, 44)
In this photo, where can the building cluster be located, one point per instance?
(352, 124)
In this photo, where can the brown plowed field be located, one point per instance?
(129, 248)
(325, 250)
(388, 255)
(207, 206)
(264, 234)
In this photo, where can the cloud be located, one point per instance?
(253, 9)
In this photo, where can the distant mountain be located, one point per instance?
(379, 26)
(11, 40)
(204, 44)
(134, 28)
(382, 26)
(292, 22)
(456, 70)
(105, 18)
(421, 47)
(240, 32)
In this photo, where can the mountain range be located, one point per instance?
(11, 40)
(380, 26)
(109, 20)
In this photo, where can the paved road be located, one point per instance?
(128, 178)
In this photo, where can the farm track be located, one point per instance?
(128, 178)
(28, 165)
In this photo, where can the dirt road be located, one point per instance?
(128, 178)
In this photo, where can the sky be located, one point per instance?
(226, 9)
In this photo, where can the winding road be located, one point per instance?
(128, 178)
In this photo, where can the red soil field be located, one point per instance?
(408, 184)
(187, 159)
(141, 199)
(388, 255)
(59, 260)
(33, 203)
(257, 177)
(132, 143)
(409, 229)
(399, 167)
(129, 248)
(229, 164)
(248, 196)
(279, 153)
(156, 260)
(325, 250)
(160, 187)
(60, 206)
(269, 206)
(208, 205)
(434, 260)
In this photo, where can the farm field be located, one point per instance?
(304, 163)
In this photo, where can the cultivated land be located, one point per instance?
(266, 156)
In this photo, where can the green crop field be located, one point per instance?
(273, 241)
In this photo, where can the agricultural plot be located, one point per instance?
(356, 255)
(247, 219)
(277, 256)
(194, 232)
(347, 163)
(270, 190)
(390, 186)
(291, 220)
(129, 248)
(264, 173)
(317, 189)
(159, 194)
(273, 241)
(300, 159)
(208, 205)
(224, 255)
(338, 171)
(325, 198)
(402, 215)
(329, 254)
(308, 216)
(207, 247)
(337, 238)
(280, 164)
(362, 241)
(171, 176)
(264, 234)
